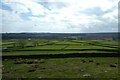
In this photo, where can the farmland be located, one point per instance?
(63, 67)
(59, 47)
(56, 58)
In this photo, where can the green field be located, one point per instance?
(63, 67)
(59, 46)
(82, 67)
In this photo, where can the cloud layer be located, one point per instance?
(68, 16)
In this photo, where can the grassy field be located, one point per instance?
(63, 67)
(59, 46)
(83, 67)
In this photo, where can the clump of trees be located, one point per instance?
(21, 43)
(35, 42)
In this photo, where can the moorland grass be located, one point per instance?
(62, 67)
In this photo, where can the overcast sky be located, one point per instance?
(57, 16)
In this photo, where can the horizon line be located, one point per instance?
(57, 32)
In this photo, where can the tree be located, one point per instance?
(35, 42)
(21, 43)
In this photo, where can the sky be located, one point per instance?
(59, 16)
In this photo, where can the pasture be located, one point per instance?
(62, 67)
(32, 47)
(70, 67)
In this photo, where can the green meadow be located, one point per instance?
(77, 67)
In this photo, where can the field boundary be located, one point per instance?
(63, 55)
(109, 50)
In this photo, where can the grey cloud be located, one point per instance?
(106, 26)
(53, 5)
(94, 11)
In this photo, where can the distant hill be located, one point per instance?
(73, 36)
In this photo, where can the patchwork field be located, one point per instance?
(58, 47)
(64, 60)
